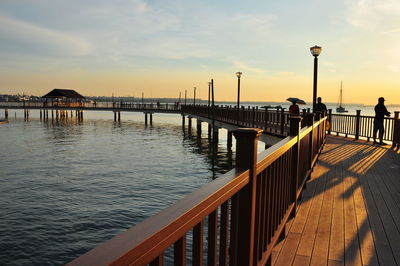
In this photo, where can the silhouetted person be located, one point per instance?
(380, 112)
(294, 109)
(320, 107)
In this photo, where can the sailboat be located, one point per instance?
(340, 108)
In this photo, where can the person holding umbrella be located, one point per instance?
(294, 108)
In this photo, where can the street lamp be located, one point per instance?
(315, 51)
(238, 75)
(209, 91)
(194, 96)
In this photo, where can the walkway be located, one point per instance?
(350, 211)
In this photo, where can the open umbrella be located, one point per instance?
(295, 100)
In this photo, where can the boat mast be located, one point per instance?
(340, 95)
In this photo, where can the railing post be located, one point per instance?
(282, 120)
(246, 158)
(330, 121)
(357, 125)
(294, 132)
(396, 130)
(310, 123)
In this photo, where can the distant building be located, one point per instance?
(61, 97)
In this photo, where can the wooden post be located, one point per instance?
(246, 158)
(6, 113)
(229, 144)
(282, 120)
(115, 116)
(119, 116)
(190, 124)
(294, 132)
(151, 119)
(396, 130)
(40, 113)
(310, 123)
(198, 127)
(253, 123)
(81, 114)
(357, 125)
(145, 119)
(72, 114)
(266, 118)
(215, 135)
(209, 131)
(183, 121)
(330, 121)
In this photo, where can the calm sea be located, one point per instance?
(66, 187)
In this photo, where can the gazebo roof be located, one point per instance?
(59, 93)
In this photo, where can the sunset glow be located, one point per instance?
(162, 48)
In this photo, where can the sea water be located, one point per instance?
(68, 186)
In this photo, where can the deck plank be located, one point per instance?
(350, 211)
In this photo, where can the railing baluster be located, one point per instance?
(223, 240)
(180, 251)
(212, 238)
(159, 261)
(198, 244)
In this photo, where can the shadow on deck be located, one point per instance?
(350, 211)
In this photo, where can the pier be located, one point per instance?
(319, 196)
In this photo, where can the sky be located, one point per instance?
(162, 48)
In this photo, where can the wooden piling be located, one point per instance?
(145, 119)
(198, 127)
(6, 113)
(229, 143)
(119, 116)
(189, 124)
(151, 119)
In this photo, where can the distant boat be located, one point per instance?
(340, 108)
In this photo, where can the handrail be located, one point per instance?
(251, 203)
(361, 126)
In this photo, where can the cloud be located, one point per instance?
(245, 67)
(374, 14)
(28, 37)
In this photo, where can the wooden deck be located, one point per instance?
(350, 210)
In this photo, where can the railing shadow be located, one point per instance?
(366, 175)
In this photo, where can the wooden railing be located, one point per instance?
(273, 121)
(362, 126)
(236, 219)
(127, 106)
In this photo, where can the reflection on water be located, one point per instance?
(67, 186)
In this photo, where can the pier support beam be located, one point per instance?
(198, 127)
(215, 135)
(6, 113)
(115, 116)
(145, 119)
(209, 131)
(119, 116)
(183, 122)
(151, 119)
(189, 124)
(40, 114)
(229, 143)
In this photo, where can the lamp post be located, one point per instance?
(209, 91)
(194, 96)
(238, 75)
(185, 96)
(315, 51)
